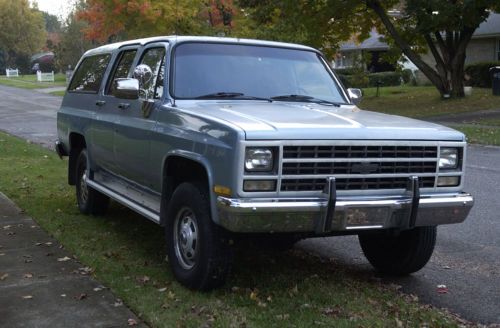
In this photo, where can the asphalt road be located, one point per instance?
(467, 255)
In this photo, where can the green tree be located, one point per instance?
(445, 27)
(73, 43)
(22, 30)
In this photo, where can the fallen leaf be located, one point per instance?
(253, 295)
(63, 259)
(132, 322)
(63, 295)
(97, 289)
(143, 280)
(399, 323)
(442, 289)
(161, 290)
(118, 303)
(28, 275)
(7, 227)
(48, 243)
(2, 254)
(171, 295)
(80, 297)
(4, 276)
(28, 297)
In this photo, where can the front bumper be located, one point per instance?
(319, 215)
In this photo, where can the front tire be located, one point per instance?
(89, 201)
(401, 254)
(198, 251)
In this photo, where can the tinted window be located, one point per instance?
(123, 68)
(203, 68)
(88, 76)
(155, 59)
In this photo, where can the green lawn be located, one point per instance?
(292, 289)
(425, 101)
(30, 82)
(480, 135)
(58, 93)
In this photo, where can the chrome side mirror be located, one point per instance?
(144, 74)
(356, 95)
(126, 88)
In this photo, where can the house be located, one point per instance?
(485, 43)
(484, 46)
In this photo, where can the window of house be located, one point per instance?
(498, 49)
(122, 69)
(89, 75)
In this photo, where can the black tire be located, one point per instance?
(198, 250)
(400, 254)
(89, 201)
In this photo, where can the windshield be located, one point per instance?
(205, 70)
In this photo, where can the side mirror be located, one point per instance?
(126, 88)
(355, 94)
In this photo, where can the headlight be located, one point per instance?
(448, 158)
(258, 159)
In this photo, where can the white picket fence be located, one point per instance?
(12, 72)
(44, 77)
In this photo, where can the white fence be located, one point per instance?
(12, 72)
(44, 77)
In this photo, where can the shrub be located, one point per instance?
(479, 74)
(385, 79)
(347, 71)
(364, 80)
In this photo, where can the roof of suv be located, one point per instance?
(179, 39)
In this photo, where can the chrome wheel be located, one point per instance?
(186, 238)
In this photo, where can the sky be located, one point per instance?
(60, 8)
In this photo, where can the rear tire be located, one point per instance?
(198, 250)
(89, 201)
(403, 254)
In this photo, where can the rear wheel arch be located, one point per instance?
(76, 144)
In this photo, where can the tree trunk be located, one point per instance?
(448, 75)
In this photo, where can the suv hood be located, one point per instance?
(308, 121)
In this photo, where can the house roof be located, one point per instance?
(490, 27)
(373, 43)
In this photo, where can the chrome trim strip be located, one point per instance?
(125, 201)
(364, 227)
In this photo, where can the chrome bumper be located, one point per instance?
(319, 215)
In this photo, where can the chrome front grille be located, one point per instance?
(353, 183)
(357, 167)
(359, 151)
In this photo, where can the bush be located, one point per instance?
(364, 80)
(346, 71)
(479, 74)
(386, 79)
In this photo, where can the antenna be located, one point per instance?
(176, 17)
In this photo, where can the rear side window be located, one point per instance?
(122, 69)
(89, 75)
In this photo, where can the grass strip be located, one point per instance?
(126, 252)
(425, 101)
(30, 82)
(480, 135)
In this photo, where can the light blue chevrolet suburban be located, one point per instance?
(218, 138)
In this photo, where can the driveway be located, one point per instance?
(467, 256)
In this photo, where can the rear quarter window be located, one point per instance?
(89, 75)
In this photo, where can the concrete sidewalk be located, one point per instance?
(41, 285)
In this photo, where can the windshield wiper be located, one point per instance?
(304, 98)
(232, 95)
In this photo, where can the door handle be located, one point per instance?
(100, 103)
(123, 105)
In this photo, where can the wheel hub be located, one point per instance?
(186, 238)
